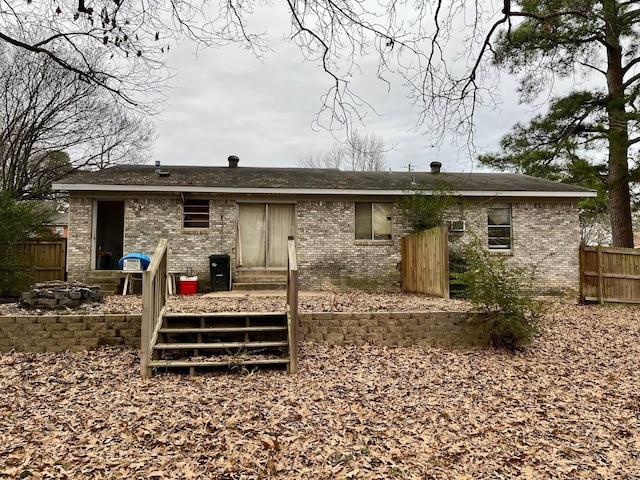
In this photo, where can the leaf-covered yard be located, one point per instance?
(567, 407)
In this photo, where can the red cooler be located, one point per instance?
(188, 285)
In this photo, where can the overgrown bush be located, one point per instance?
(424, 211)
(502, 290)
(457, 265)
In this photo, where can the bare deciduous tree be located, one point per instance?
(52, 122)
(363, 152)
(411, 42)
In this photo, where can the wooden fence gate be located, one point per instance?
(38, 261)
(425, 262)
(609, 274)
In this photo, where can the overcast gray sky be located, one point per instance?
(225, 102)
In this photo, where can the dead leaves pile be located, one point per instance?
(330, 301)
(567, 407)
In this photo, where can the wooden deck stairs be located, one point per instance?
(191, 341)
(221, 340)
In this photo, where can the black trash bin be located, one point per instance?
(220, 267)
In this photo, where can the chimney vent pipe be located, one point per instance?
(233, 161)
(435, 167)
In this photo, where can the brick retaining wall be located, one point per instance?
(394, 328)
(53, 333)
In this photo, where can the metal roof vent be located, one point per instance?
(435, 167)
(158, 170)
(233, 161)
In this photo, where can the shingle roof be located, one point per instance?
(309, 180)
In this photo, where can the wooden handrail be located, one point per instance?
(292, 304)
(154, 299)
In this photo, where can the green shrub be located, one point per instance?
(502, 290)
(457, 265)
(426, 210)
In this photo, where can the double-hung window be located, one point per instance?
(374, 221)
(195, 213)
(499, 226)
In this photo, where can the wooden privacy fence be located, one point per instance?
(425, 262)
(609, 274)
(37, 260)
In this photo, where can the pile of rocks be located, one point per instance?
(57, 294)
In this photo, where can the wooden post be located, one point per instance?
(600, 275)
(292, 305)
(582, 278)
(445, 261)
(403, 264)
(145, 327)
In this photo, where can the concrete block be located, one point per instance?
(72, 327)
(84, 334)
(334, 338)
(376, 330)
(47, 319)
(34, 327)
(26, 319)
(61, 333)
(7, 320)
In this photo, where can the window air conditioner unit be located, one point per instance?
(456, 225)
(131, 265)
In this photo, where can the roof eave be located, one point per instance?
(72, 187)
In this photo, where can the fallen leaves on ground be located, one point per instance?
(566, 407)
(330, 301)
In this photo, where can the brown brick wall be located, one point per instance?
(53, 333)
(329, 256)
(79, 242)
(545, 235)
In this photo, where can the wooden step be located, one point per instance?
(217, 363)
(268, 328)
(173, 315)
(221, 339)
(212, 346)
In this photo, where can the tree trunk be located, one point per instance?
(618, 135)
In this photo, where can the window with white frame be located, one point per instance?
(195, 213)
(373, 221)
(499, 226)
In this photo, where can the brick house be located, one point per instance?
(347, 225)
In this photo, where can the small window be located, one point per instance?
(195, 213)
(499, 226)
(373, 221)
(455, 217)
